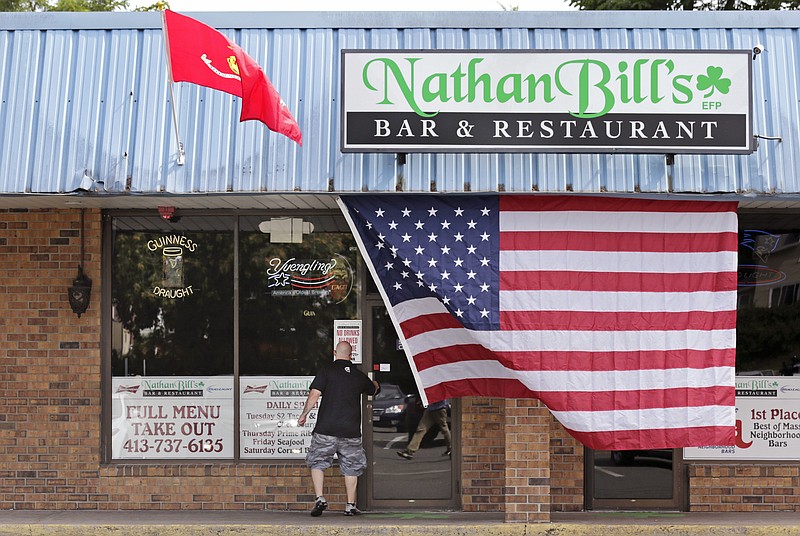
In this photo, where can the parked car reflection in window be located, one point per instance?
(390, 407)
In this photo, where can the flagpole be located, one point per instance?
(181, 152)
(389, 309)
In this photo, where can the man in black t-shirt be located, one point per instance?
(338, 428)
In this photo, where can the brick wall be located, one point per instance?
(749, 488)
(482, 454)
(198, 486)
(49, 362)
(50, 405)
(484, 438)
(566, 470)
(515, 457)
(527, 474)
(50, 394)
(50, 401)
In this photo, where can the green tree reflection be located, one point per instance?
(162, 336)
(286, 334)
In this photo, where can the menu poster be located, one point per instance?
(270, 407)
(172, 417)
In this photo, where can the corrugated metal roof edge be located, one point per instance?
(412, 19)
(327, 200)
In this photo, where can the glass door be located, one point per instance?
(426, 479)
(633, 479)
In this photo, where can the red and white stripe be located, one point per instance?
(619, 314)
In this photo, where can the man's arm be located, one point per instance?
(311, 401)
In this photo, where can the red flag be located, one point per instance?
(261, 101)
(618, 314)
(201, 55)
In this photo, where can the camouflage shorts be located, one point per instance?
(352, 458)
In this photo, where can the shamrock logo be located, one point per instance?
(713, 79)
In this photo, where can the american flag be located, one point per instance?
(619, 314)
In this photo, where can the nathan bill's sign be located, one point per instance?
(661, 101)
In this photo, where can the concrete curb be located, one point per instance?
(372, 529)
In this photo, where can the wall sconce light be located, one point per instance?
(81, 290)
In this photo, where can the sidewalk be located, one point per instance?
(333, 523)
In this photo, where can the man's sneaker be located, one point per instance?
(319, 506)
(448, 452)
(350, 509)
(405, 454)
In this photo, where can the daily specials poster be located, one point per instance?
(271, 406)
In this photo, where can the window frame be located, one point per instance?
(108, 217)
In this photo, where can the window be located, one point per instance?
(784, 295)
(185, 362)
(291, 294)
(768, 337)
(172, 310)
